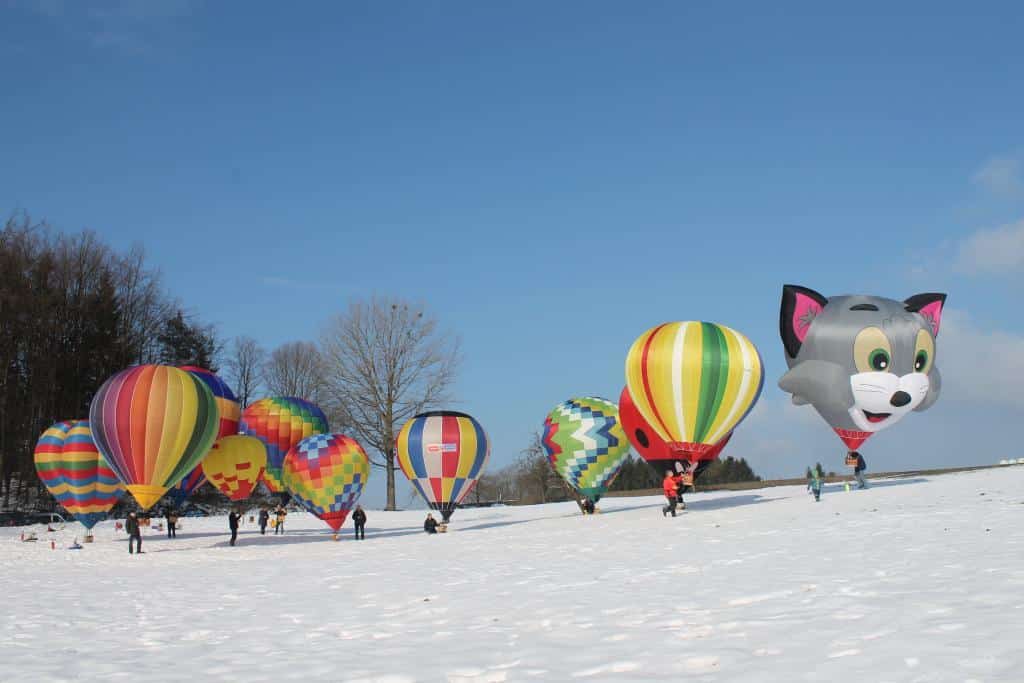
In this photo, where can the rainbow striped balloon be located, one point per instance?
(443, 454)
(75, 473)
(326, 473)
(280, 423)
(693, 382)
(153, 424)
(230, 411)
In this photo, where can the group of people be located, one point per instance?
(279, 515)
(816, 477)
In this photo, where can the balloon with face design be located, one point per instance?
(863, 362)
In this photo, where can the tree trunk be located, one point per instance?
(389, 461)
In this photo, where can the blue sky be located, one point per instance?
(551, 179)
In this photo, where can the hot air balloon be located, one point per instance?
(153, 424)
(230, 411)
(178, 493)
(280, 423)
(326, 474)
(75, 473)
(235, 465)
(692, 383)
(443, 453)
(585, 444)
(653, 449)
(863, 362)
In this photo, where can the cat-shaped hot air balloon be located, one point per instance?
(863, 362)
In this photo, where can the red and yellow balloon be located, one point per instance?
(235, 465)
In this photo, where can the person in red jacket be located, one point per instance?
(670, 485)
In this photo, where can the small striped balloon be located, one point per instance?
(73, 470)
(693, 382)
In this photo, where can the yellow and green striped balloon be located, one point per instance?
(693, 382)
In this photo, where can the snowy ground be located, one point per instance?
(912, 580)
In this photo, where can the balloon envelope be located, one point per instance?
(280, 423)
(235, 465)
(326, 474)
(229, 409)
(73, 470)
(443, 453)
(178, 493)
(693, 382)
(863, 362)
(585, 444)
(654, 450)
(153, 424)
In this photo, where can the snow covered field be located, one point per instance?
(912, 580)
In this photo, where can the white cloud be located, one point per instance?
(1001, 176)
(979, 366)
(997, 250)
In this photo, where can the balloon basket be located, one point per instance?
(336, 537)
(442, 528)
(88, 538)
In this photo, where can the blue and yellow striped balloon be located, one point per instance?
(693, 382)
(443, 453)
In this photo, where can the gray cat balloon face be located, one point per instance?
(863, 362)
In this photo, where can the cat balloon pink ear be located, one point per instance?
(928, 305)
(800, 306)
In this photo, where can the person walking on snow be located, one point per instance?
(359, 518)
(280, 513)
(814, 483)
(131, 525)
(670, 485)
(858, 471)
(233, 525)
(264, 520)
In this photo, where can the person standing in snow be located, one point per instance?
(670, 486)
(814, 483)
(280, 513)
(131, 525)
(172, 523)
(858, 471)
(264, 520)
(233, 525)
(430, 524)
(359, 519)
(681, 487)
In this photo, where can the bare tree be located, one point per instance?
(245, 368)
(386, 361)
(295, 369)
(536, 478)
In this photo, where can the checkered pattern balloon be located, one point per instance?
(326, 473)
(586, 444)
(443, 453)
(280, 423)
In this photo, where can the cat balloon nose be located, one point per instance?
(900, 399)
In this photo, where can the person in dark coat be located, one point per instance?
(233, 525)
(359, 519)
(264, 520)
(858, 471)
(131, 525)
(430, 524)
(171, 518)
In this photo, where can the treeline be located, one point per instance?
(74, 311)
